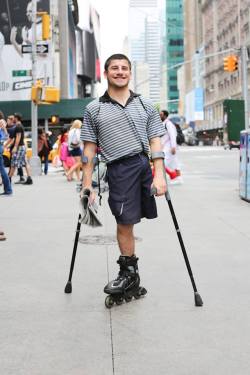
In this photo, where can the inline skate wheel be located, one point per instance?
(119, 301)
(137, 295)
(109, 302)
(128, 298)
(143, 291)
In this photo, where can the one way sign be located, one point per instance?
(40, 48)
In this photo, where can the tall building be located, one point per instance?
(226, 26)
(145, 47)
(190, 83)
(174, 49)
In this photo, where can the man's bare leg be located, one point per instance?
(125, 238)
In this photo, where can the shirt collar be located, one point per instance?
(107, 99)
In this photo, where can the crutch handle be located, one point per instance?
(153, 191)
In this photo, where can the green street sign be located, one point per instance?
(21, 73)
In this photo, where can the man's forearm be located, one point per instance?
(88, 164)
(155, 147)
(158, 167)
(87, 174)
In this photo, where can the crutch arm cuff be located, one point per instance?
(157, 155)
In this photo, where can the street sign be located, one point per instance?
(40, 48)
(21, 73)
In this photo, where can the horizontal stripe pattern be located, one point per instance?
(121, 131)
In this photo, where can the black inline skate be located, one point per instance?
(126, 285)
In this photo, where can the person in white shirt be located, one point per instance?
(169, 146)
(75, 148)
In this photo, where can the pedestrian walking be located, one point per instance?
(75, 150)
(169, 146)
(3, 137)
(43, 148)
(127, 128)
(12, 121)
(18, 156)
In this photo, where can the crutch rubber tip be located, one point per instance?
(198, 299)
(68, 288)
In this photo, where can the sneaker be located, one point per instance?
(28, 181)
(6, 194)
(2, 237)
(21, 181)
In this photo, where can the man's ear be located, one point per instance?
(105, 74)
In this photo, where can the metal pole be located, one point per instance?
(244, 59)
(46, 125)
(35, 161)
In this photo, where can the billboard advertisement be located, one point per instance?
(15, 38)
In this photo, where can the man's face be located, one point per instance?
(29, 12)
(162, 116)
(118, 74)
(10, 121)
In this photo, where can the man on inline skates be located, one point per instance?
(127, 128)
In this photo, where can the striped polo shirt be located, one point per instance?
(121, 131)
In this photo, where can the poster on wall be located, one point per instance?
(15, 37)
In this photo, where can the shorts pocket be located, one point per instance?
(116, 206)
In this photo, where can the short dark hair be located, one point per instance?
(116, 56)
(165, 112)
(18, 116)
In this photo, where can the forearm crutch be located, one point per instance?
(68, 287)
(197, 297)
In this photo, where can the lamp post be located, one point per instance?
(35, 161)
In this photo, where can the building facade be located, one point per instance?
(190, 81)
(144, 42)
(63, 66)
(225, 28)
(174, 49)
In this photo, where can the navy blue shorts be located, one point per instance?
(76, 152)
(130, 182)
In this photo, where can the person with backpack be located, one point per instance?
(126, 127)
(75, 150)
(169, 146)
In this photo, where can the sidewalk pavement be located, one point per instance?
(46, 332)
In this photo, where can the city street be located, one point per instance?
(44, 331)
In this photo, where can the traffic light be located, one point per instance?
(45, 26)
(36, 92)
(51, 94)
(226, 64)
(234, 62)
(54, 119)
(230, 63)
